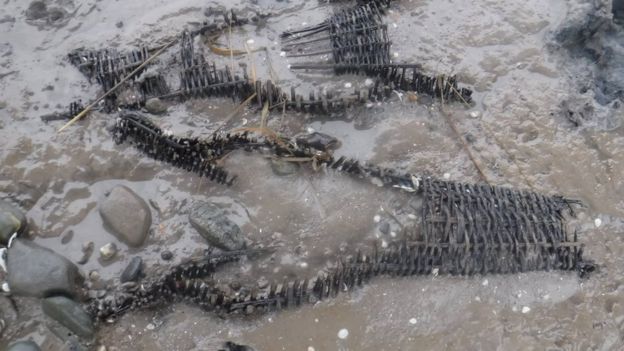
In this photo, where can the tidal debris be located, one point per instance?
(465, 229)
(200, 156)
(359, 44)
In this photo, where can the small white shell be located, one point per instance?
(343, 333)
(475, 114)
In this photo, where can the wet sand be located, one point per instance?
(502, 49)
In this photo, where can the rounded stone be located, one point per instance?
(132, 272)
(24, 346)
(166, 255)
(212, 222)
(12, 220)
(384, 227)
(155, 106)
(70, 314)
(283, 168)
(126, 215)
(37, 10)
(108, 251)
(39, 272)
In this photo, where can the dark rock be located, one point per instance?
(384, 227)
(283, 168)
(69, 314)
(66, 238)
(12, 220)
(212, 223)
(155, 106)
(598, 41)
(319, 141)
(232, 346)
(56, 14)
(24, 346)
(470, 138)
(618, 10)
(87, 251)
(166, 255)
(133, 270)
(37, 10)
(126, 215)
(40, 272)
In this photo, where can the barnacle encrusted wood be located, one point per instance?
(359, 43)
(406, 77)
(488, 229)
(357, 36)
(189, 154)
(475, 240)
(199, 156)
(465, 229)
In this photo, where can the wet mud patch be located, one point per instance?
(45, 13)
(596, 40)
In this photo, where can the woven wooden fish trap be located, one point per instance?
(464, 229)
